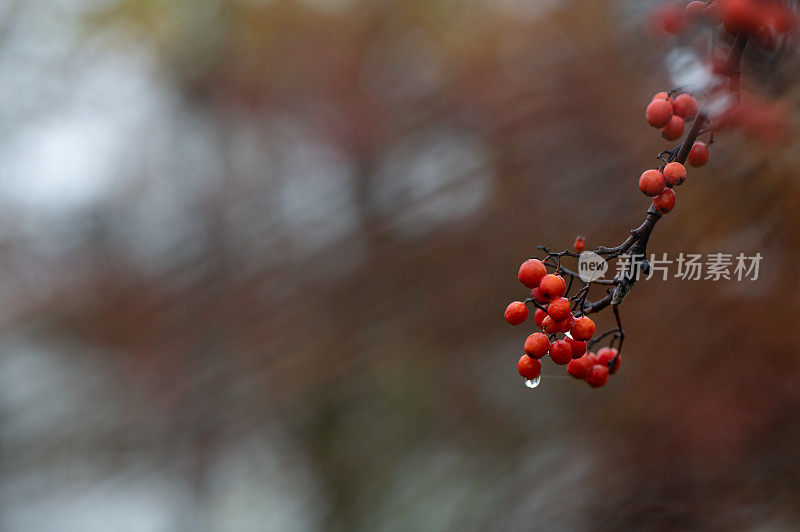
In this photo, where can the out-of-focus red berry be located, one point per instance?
(578, 346)
(559, 308)
(583, 328)
(516, 313)
(580, 368)
(665, 201)
(536, 345)
(651, 182)
(580, 244)
(529, 368)
(552, 286)
(538, 316)
(674, 173)
(598, 376)
(685, 106)
(560, 352)
(740, 16)
(668, 19)
(658, 113)
(531, 273)
(698, 155)
(694, 11)
(604, 355)
(673, 130)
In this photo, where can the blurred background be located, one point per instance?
(254, 256)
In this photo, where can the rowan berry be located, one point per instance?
(560, 352)
(537, 295)
(605, 355)
(537, 345)
(685, 106)
(613, 366)
(539, 316)
(531, 272)
(578, 347)
(651, 182)
(580, 244)
(695, 10)
(516, 313)
(529, 368)
(662, 96)
(658, 112)
(580, 368)
(740, 16)
(552, 286)
(674, 129)
(559, 308)
(551, 326)
(698, 155)
(583, 328)
(598, 376)
(674, 173)
(665, 201)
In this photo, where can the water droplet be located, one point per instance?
(533, 383)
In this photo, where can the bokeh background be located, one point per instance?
(254, 256)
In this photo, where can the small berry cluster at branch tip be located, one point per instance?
(564, 329)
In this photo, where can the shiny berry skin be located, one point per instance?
(551, 326)
(580, 368)
(580, 244)
(537, 345)
(531, 273)
(559, 308)
(529, 368)
(674, 129)
(598, 376)
(539, 297)
(560, 352)
(694, 11)
(674, 173)
(516, 313)
(665, 201)
(539, 316)
(658, 113)
(578, 347)
(583, 329)
(651, 182)
(685, 106)
(552, 286)
(605, 354)
(698, 155)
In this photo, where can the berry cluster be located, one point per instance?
(566, 333)
(564, 329)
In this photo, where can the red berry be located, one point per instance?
(551, 326)
(740, 16)
(605, 355)
(578, 347)
(698, 155)
(695, 10)
(529, 368)
(673, 130)
(539, 297)
(665, 201)
(614, 366)
(559, 308)
(685, 106)
(674, 173)
(662, 96)
(658, 113)
(580, 368)
(539, 316)
(598, 376)
(580, 244)
(667, 18)
(552, 286)
(536, 345)
(531, 272)
(583, 328)
(516, 313)
(651, 182)
(560, 352)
